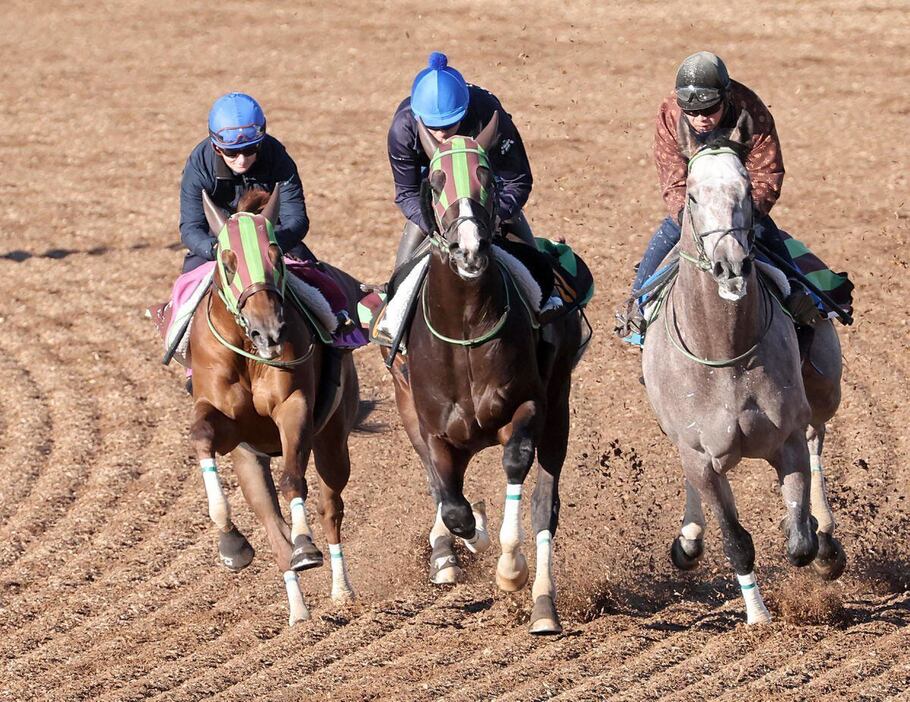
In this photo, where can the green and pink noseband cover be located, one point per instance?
(249, 237)
(459, 158)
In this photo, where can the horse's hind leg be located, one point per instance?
(792, 465)
(517, 457)
(208, 423)
(831, 559)
(551, 453)
(333, 464)
(714, 489)
(688, 547)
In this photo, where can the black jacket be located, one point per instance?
(206, 169)
(507, 158)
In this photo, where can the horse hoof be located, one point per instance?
(831, 559)
(449, 575)
(234, 550)
(343, 597)
(681, 558)
(512, 580)
(299, 618)
(544, 619)
(305, 554)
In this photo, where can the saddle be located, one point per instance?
(537, 274)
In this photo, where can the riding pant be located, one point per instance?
(667, 236)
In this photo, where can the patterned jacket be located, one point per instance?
(763, 160)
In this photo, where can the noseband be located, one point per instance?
(703, 261)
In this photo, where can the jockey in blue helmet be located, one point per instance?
(238, 155)
(448, 106)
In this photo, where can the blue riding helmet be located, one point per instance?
(236, 121)
(439, 95)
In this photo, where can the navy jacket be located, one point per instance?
(507, 157)
(206, 169)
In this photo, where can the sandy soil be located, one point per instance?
(110, 588)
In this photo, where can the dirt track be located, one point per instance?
(109, 583)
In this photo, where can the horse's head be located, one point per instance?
(464, 204)
(250, 274)
(719, 211)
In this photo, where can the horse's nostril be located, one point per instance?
(718, 269)
(747, 266)
(255, 335)
(282, 328)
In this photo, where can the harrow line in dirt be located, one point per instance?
(26, 410)
(235, 677)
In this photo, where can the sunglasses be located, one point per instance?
(706, 112)
(234, 153)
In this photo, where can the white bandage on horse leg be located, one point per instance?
(756, 612)
(510, 535)
(481, 540)
(299, 612)
(219, 509)
(299, 523)
(818, 497)
(341, 583)
(543, 577)
(439, 530)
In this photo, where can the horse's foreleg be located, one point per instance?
(792, 465)
(689, 545)
(295, 427)
(713, 486)
(551, 453)
(517, 457)
(333, 464)
(208, 422)
(454, 514)
(831, 559)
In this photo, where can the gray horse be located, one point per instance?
(723, 373)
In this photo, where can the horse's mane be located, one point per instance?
(253, 201)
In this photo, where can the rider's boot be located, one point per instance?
(801, 305)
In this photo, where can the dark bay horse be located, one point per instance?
(256, 366)
(479, 373)
(723, 373)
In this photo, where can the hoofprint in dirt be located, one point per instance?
(109, 588)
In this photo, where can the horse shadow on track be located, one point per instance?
(21, 255)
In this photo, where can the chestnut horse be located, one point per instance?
(257, 364)
(479, 372)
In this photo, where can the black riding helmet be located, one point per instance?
(702, 81)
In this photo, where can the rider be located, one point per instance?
(448, 106)
(706, 101)
(236, 156)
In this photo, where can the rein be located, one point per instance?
(246, 354)
(703, 263)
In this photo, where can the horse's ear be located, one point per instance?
(229, 260)
(427, 140)
(275, 255)
(437, 180)
(742, 132)
(685, 137)
(214, 215)
(270, 211)
(490, 134)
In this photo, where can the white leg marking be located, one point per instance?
(219, 509)
(481, 540)
(512, 568)
(341, 583)
(298, 610)
(543, 577)
(299, 523)
(818, 497)
(756, 612)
